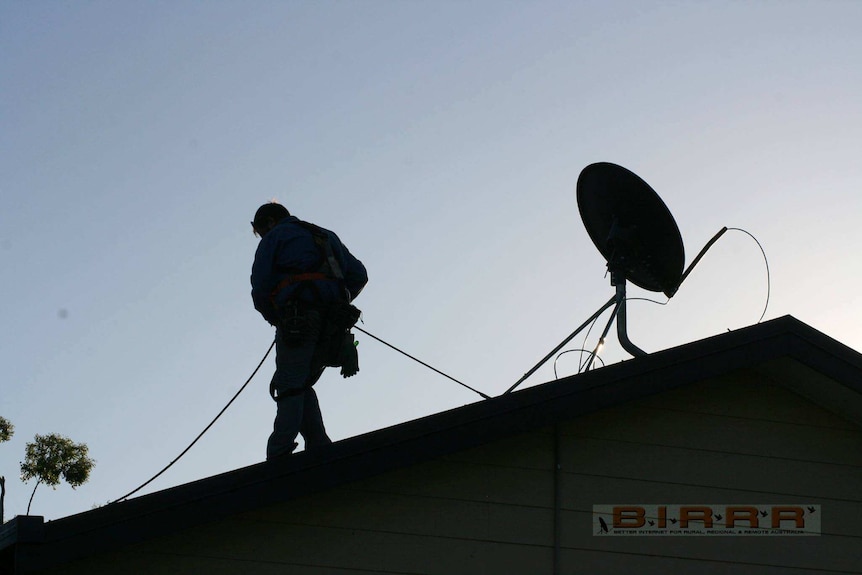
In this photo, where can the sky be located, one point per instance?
(442, 141)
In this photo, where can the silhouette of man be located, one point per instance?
(303, 280)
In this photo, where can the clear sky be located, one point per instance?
(442, 140)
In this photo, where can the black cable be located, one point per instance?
(715, 239)
(177, 458)
(483, 395)
(691, 266)
(648, 299)
(766, 262)
(421, 362)
(570, 351)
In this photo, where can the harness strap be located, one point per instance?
(297, 278)
(329, 268)
(321, 240)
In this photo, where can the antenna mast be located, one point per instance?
(638, 237)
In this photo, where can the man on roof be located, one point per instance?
(303, 280)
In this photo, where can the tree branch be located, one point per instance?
(31, 496)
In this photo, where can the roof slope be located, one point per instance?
(785, 349)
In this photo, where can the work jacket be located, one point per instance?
(288, 250)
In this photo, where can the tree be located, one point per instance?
(6, 432)
(6, 429)
(52, 457)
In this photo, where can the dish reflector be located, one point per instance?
(631, 227)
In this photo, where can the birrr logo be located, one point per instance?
(706, 519)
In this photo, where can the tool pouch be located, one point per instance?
(341, 347)
(342, 315)
(338, 349)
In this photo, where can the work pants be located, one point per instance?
(296, 370)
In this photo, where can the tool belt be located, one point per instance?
(335, 345)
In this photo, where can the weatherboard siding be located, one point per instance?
(443, 516)
(491, 509)
(733, 440)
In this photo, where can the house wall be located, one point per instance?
(524, 504)
(739, 441)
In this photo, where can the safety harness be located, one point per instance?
(336, 345)
(329, 268)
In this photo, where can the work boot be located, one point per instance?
(274, 453)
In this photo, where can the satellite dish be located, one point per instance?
(631, 227)
(638, 237)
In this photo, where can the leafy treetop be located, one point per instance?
(53, 456)
(6, 429)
